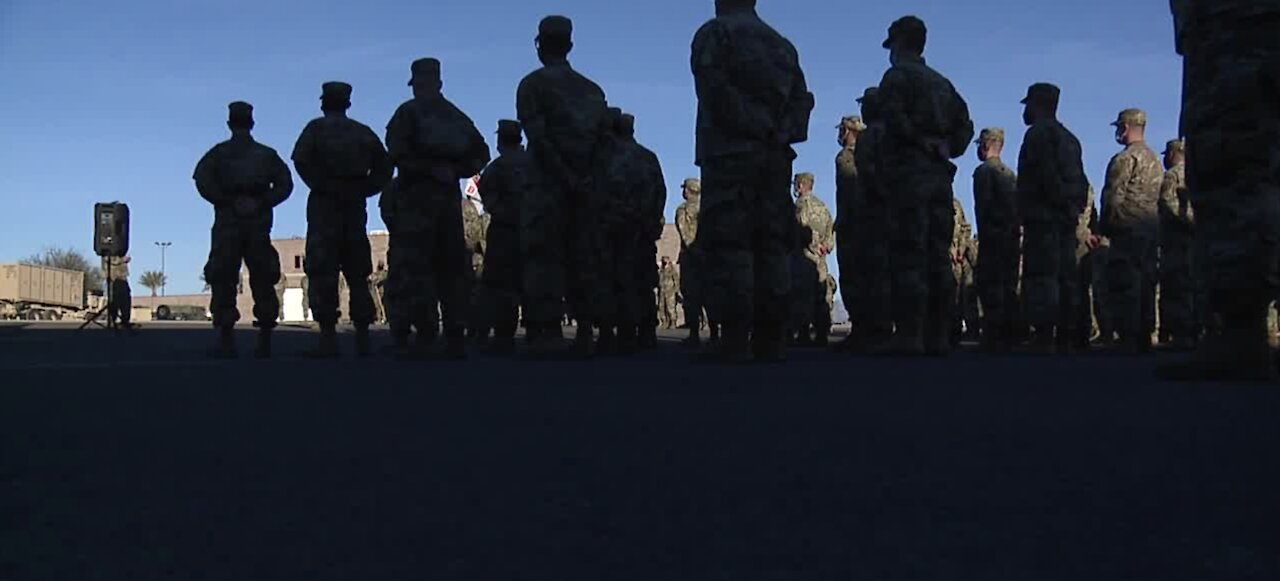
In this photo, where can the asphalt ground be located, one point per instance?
(136, 458)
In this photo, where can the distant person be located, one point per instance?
(669, 293)
(377, 289)
(1179, 288)
(344, 163)
(561, 112)
(121, 307)
(433, 145)
(850, 128)
(927, 125)
(815, 240)
(1130, 219)
(871, 288)
(995, 200)
(653, 202)
(281, 287)
(505, 187)
(1052, 194)
(753, 105)
(244, 181)
(692, 259)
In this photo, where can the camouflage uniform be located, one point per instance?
(692, 258)
(638, 193)
(561, 111)
(1130, 219)
(618, 208)
(995, 198)
(235, 169)
(474, 227)
(1178, 291)
(753, 104)
(433, 144)
(343, 162)
(846, 196)
(652, 223)
(926, 122)
(869, 289)
(1086, 265)
(668, 290)
(1052, 194)
(511, 179)
(814, 240)
(962, 239)
(121, 307)
(377, 290)
(281, 287)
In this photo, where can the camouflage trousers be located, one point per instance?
(692, 285)
(746, 230)
(338, 241)
(1179, 292)
(425, 259)
(234, 242)
(1131, 276)
(845, 250)
(542, 257)
(808, 291)
(501, 279)
(867, 283)
(612, 299)
(646, 277)
(668, 308)
(1230, 120)
(121, 307)
(1051, 277)
(997, 278)
(1100, 293)
(922, 219)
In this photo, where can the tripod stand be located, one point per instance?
(107, 309)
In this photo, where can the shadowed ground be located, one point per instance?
(137, 459)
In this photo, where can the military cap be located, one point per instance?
(870, 93)
(1175, 146)
(907, 25)
(1045, 92)
(1135, 117)
(805, 177)
(990, 134)
(509, 127)
(335, 91)
(628, 122)
(555, 27)
(427, 68)
(692, 184)
(853, 123)
(240, 112)
(614, 114)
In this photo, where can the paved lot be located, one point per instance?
(136, 459)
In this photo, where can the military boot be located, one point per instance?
(1043, 340)
(648, 338)
(263, 349)
(455, 346)
(768, 344)
(694, 340)
(606, 343)
(225, 348)
(328, 346)
(627, 340)
(364, 347)
(941, 337)
(1239, 353)
(583, 342)
(732, 349)
(907, 341)
(713, 332)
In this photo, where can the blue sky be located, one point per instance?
(100, 103)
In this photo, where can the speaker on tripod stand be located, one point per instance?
(110, 241)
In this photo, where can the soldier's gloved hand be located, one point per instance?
(246, 206)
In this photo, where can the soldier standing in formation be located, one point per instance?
(870, 310)
(618, 208)
(668, 293)
(995, 200)
(1178, 288)
(753, 105)
(561, 111)
(504, 186)
(814, 241)
(433, 144)
(652, 194)
(1130, 220)
(244, 181)
(344, 163)
(1052, 192)
(927, 124)
(692, 259)
(377, 289)
(849, 129)
(474, 227)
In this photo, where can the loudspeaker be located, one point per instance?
(111, 229)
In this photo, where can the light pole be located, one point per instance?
(164, 279)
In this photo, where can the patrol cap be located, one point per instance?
(805, 177)
(426, 68)
(335, 91)
(1134, 117)
(990, 134)
(907, 26)
(555, 27)
(509, 128)
(692, 184)
(870, 93)
(1043, 92)
(613, 114)
(240, 113)
(628, 123)
(1175, 146)
(852, 123)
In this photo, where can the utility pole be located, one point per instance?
(164, 278)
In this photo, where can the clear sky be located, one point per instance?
(104, 101)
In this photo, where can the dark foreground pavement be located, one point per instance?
(136, 459)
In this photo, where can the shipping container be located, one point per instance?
(41, 285)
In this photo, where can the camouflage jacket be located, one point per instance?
(687, 223)
(1131, 196)
(995, 199)
(1051, 180)
(752, 95)
(431, 139)
(961, 239)
(1086, 223)
(118, 268)
(626, 185)
(562, 113)
(340, 157)
(846, 182)
(238, 167)
(474, 227)
(668, 280)
(921, 106)
(867, 159)
(654, 197)
(1176, 213)
(816, 228)
(505, 183)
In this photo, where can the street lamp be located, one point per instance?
(164, 279)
